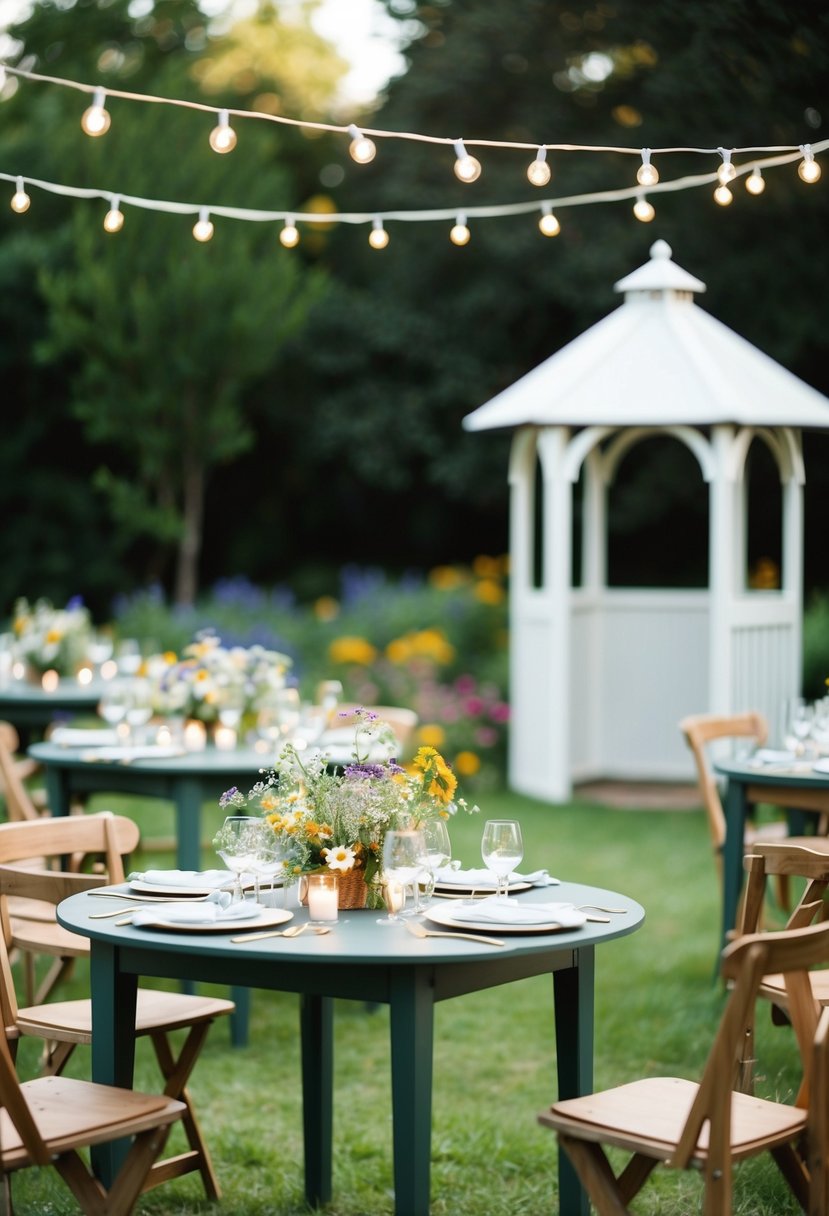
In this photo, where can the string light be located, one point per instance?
(20, 199)
(539, 172)
(647, 174)
(361, 149)
(460, 234)
(378, 238)
(289, 236)
(643, 210)
(548, 224)
(723, 196)
(755, 183)
(808, 170)
(95, 121)
(726, 171)
(114, 218)
(467, 168)
(203, 228)
(223, 137)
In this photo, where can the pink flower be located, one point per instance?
(499, 712)
(473, 706)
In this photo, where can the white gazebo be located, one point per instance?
(600, 676)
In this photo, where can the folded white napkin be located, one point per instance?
(485, 878)
(68, 736)
(767, 755)
(184, 878)
(208, 913)
(515, 912)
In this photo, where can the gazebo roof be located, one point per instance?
(658, 360)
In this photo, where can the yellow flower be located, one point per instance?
(423, 643)
(488, 591)
(486, 567)
(447, 578)
(431, 733)
(467, 763)
(326, 608)
(399, 651)
(352, 650)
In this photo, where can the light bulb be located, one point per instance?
(539, 172)
(723, 196)
(647, 174)
(289, 236)
(114, 218)
(223, 137)
(643, 210)
(378, 238)
(203, 228)
(460, 234)
(95, 121)
(20, 199)
(467, 168)
(726, 171)
(549, 225)
(808, 170)
(361, 149)
(754, 182)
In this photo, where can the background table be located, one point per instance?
(29, 708)
(802, 792)
(188, 781)
(361, 960)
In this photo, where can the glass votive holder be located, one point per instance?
(323, 897)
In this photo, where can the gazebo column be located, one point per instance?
(725, 532)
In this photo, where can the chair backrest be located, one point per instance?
(402, 721)
(744, 964)
(700, 730)
(19, 804)
(768, 860)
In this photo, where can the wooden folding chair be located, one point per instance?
(21, 769)
(47, 1120)
(700, 731)
(711, 1126)
(64, 1024)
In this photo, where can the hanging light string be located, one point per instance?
(118, 199)
(360, 136)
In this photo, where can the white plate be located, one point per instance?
(126, 754)
(821, 766)
(462, 891)
(453, 918)
(155, 888)
(267, 918)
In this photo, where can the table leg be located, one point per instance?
(113, 1040)
(573, 992)
(316, 1028)
(412, 1034)
(56, 784)
(735, 808)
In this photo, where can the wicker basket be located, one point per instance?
(352, 891)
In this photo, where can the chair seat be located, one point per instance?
(155, 1010)
(773, 988)
(44, 937)
(777, 829)
(648, 1117)
(69, 1112)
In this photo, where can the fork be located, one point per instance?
(197, 899)
(419, 931)
(600, 908)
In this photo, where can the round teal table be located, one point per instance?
(363, 961)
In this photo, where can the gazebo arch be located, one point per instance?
(600, 676)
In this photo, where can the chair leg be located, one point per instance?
(793, 1169)
(176, 1073)
(595, 1175)
(61, 969)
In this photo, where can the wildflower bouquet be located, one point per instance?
(52, 638)
(338, 819)
(210, 677)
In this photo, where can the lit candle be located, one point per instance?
(225, 738)
(195, 736)
(322, 896)
(84, 676)
(49, 680)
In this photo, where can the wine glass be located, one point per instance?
(403, 852)
(268, 856)
(502, 849)
(112, 706)
(235, 843)
(139, 704)
(231, 706)
(800, 715)
(437, 853)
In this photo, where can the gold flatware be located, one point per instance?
(419, 931)
(599, 908)
(155, 899)
(198, 899)
(293, 931)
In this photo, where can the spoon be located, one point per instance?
(599, 908)
(293, 931)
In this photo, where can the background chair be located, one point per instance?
(62, 1025)
(23, 768)
(710, 1126)
(700, 732)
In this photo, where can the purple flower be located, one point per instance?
(228, 795)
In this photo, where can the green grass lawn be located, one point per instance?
(656, 1009)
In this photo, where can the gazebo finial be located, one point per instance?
(660, 276)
